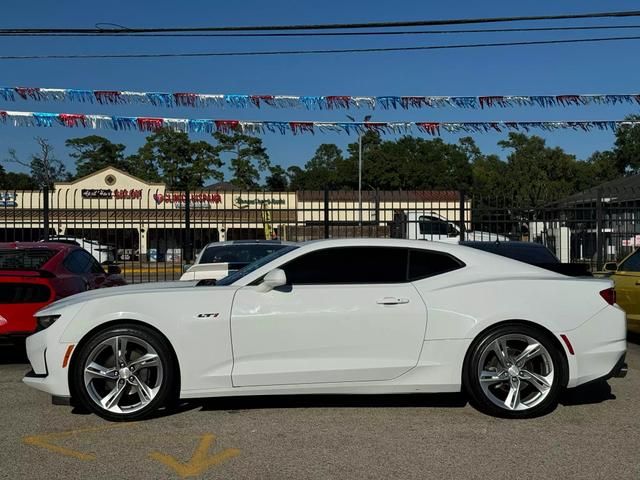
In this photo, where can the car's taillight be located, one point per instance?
(609, 296)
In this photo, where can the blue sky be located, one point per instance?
(585, 68)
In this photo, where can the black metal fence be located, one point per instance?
(152, 234)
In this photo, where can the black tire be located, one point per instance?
(167, 392)
(483, 401)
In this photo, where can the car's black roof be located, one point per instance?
(528, 252)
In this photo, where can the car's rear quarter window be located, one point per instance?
(25, 259)
(425, 263)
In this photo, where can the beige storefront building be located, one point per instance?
(116, 208)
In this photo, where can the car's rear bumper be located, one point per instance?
(600, 345)
(620, 369)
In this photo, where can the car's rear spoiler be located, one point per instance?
(569, 269)
(27, 273)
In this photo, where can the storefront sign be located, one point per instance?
(132, 193)
(261, 202)
(106, 193)
(96, 193)
(8, 199)
(196, 200)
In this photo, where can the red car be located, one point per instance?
(33, 275)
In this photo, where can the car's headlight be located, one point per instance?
(46, 321)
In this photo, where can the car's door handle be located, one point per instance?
(392, 301)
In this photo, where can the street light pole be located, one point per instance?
(366, 119)
(359, 179)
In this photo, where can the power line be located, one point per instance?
(330, 34)
(330, 26)
(316, 51)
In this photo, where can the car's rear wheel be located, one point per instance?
(515, 371)
(124, 373)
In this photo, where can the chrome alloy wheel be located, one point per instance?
(123, 374)
(516, 372)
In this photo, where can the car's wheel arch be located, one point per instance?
(117, 323)
(516, 322)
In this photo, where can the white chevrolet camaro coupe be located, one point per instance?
(357, 316)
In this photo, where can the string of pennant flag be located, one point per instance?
(151, 124)
(331, 102)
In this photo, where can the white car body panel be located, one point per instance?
(325, 334)
(337, 339)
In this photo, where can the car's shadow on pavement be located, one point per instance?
(588, 394)
(443, 400)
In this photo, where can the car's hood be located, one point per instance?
(115, 292)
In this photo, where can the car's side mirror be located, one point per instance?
(452, 231)
(611, 267)
(114, 270)
(274, 279)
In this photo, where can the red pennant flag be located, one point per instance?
(72, 119)
(149, 124)
(227, 126)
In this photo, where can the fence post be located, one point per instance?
(599, 239)
(461, 214)
(326, 213)
(187, 225)
(45, 211)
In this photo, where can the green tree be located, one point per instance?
(16, 181)
(600, 167)
(248, 157)
(93, 153)
(323, 169)
(297, 178)
(179, 161)
(45, 168)
(538, 174)
(277, 181)
(627, 148)
(414, 163)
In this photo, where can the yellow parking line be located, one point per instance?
(45, 440)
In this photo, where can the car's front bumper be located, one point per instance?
(46, 356)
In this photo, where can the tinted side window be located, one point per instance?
(94, 266)
(349, 265)
(632, 264)
(423, 264)
(432, 226)
(77, 262)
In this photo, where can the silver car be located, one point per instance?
(219, 259)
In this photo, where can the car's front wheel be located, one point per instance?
(514, 371)
(124, 373)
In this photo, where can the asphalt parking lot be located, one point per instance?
(594, 433)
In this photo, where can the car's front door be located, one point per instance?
(348, 314)
(627, 285)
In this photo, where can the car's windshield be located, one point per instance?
(24, 259)
(234, 277)
(238, 253)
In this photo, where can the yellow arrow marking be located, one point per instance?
(45, 440)
(200, 460)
